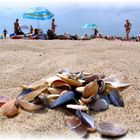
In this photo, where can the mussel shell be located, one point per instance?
(54, 90)
(90, 89)
(24, 92)
(101, 86)
(4, 99)
(115, 98)
(111, 129)
(36, 84)
(62, 99)
(10, 109)
(31, 95)
(75, 125)
(99, 105)
(71, 82)
(85, 119)
(105, 97)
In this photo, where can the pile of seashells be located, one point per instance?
(80, 91)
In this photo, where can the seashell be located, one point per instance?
(54, 90)
(114, 82)
(85, 119)
(24, 92)
(105, 97)
(77, 107)
(31, 95)
(53, 96)
(91, 98)
(74, 124)
(42, 99)
(36, 84)
(80, 89)
(99, 105)
(10, 109)
(71, 82)
(111, 129)
(90, 89)
(50, 80)
(101, 85)
(60, 84)
(115, 98)
(28, 106)
(90, 78)
(4, 99)
(62, 99)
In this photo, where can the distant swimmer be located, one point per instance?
(127, 26)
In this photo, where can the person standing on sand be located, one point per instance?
(127, 26)
(5, 33)
(53, 25)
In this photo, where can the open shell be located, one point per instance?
(10, 109)
(77, 107)
(74, 124)
(71, 82)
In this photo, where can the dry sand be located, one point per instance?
(25, 61)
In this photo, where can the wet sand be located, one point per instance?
(25, 61)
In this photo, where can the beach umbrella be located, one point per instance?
(90, 26)
(38, 13)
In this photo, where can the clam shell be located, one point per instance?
(114, 82)
(111, 129)
(36, 84)
(10, 109)
(60, 84)
(4, 99)
(75, 125)
(71, 82)
(90, 89)
(62, 99)
(115, 98)
(31, 95)
(80, 89)
(99, 105)
(77, 107)
(28, 106)
(90, 78)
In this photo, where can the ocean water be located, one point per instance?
(71, 19)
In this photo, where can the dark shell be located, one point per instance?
(99, 105)
(75, 125)
(101, 85)
(24, 92)
(115, 98)
(62, 99)
(85, 119)
(111, 129)
(105, 97)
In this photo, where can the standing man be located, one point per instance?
(53, 25)
(5, 33)
(16, 27)
(127, 26)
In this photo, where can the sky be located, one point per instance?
(71, 15)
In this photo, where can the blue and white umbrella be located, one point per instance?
(38, 13)
(90, 26)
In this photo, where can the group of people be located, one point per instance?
(52, 35)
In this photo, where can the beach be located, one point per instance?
(25, 61)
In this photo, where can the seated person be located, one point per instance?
(35, 34)
(51, 35)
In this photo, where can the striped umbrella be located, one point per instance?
(38, 13)
(90, 26)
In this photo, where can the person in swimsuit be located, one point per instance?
(127, 26)
(53, 25)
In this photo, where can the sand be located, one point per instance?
(25, 61)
